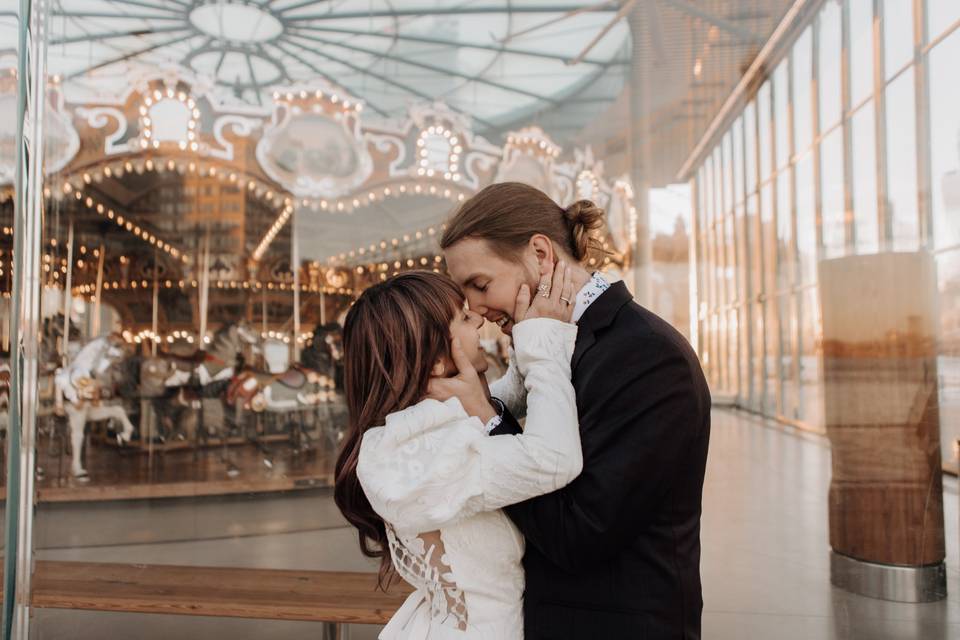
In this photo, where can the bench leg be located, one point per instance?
(335, 631)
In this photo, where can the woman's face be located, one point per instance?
(466, 326)
(490, 281)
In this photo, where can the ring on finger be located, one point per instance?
(543, 288)
(544, 295)
(566, 300)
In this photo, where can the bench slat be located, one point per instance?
(317, 596)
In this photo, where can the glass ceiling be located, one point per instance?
(482, 57)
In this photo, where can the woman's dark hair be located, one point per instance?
(392, 336)
(507, 214)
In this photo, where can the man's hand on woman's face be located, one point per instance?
(467, 385)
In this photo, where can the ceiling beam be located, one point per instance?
(116, 34)
(429, 67)
(126, 56)
(107, 14)
(434, 11)
(147, 5)
(449, 43)
(721, 23)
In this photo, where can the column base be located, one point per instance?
(887, 581)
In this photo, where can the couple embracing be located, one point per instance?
(583, 521)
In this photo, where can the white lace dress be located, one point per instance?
(438, 481)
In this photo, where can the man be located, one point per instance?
(616, 554)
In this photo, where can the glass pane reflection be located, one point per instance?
(865, 180)
(945, 141)
(902, 163)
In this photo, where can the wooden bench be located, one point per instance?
(333, 598)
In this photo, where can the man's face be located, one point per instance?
(490, 280)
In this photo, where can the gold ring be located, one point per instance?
(564, 299)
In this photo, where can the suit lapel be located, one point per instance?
(597, 317)
(585, 340)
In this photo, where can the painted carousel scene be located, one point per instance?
(198, 196)
(200, 255)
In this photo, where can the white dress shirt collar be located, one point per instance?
(596, 285)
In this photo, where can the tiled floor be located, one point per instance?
(765, 552)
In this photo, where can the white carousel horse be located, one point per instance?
(85, 396)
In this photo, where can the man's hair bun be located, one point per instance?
(583, 216)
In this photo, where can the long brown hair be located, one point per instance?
(392, 336)
(507, 214)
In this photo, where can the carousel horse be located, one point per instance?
(184, 393)
(288, 389)
(82, 386)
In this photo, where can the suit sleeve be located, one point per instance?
(508, 425)
(640, 409)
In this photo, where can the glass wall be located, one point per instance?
(856, 130)
(220, 182)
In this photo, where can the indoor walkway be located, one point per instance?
(765, 551)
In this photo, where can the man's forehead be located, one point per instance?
(465, 260)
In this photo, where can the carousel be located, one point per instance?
(199, 257)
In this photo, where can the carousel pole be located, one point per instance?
(146, 406)
(263, 311)
(204, 289)
(323, 307)
(67, 298)
(295, 259)
(155, 324)
(97, 306)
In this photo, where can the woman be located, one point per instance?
(421, 479)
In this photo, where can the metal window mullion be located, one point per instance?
(884, 213)
(848, 203)
(775, 250)
(817, 168)
(733, 291)
(720, 265)
(693, 275)
(727, 293)
(794, 246)
(747, 294)
(921, 79)
(760, 298)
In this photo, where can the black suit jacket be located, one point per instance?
(616, 554)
